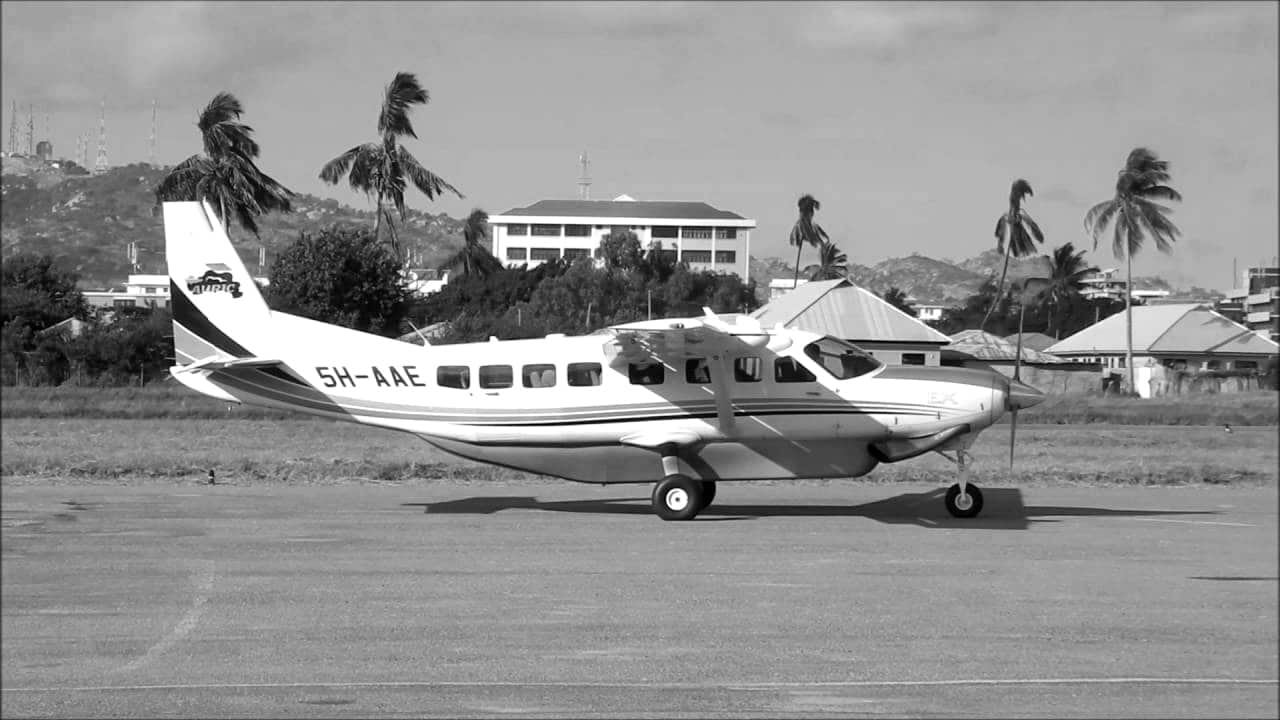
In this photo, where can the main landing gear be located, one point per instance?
(963, 500)
(679, 497)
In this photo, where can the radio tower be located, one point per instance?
(13, 130)
(584, 180)
(151, 155)
(31, 130)
(100, 165)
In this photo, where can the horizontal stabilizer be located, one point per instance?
(222, 362)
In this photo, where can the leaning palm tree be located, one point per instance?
(225, 175)
(1134, 215)
(833, 264)
(474, 258)
(806, 231)
(1016, 234)
(380, 169)
(1067, 269)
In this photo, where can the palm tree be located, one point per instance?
(1134, 216)
(380, 169)
(806, 231)
(833, 263)
(225, 175)
(1067, 269)
(474, 258)
(1016, 234)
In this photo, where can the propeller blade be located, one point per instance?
(1013, 432)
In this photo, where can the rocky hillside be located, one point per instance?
(90, 221)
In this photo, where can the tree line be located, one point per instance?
(349, 276)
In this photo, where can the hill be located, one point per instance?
(90, 220)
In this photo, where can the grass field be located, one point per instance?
(171, 401)
(323, 452)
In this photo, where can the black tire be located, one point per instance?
(972, 509)
(677, 497)
(708, 493)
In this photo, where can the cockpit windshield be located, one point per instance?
(841, 359)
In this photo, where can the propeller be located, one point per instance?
(1020, 394)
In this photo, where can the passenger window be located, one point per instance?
(746, 369)
(839, 358)
(645, 373)
(696, 371)
(583, 374)
(789, 370)
(912, 358)
(538, 376)
(495, 377)
(453, 376)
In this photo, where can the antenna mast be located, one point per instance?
(100, 166)
(13, 130)
(151, 156)
(584, 180)
(31, 130)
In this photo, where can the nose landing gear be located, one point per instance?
(963, 500)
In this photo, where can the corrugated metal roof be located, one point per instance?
(1035, 341)
(841, 309)
(625, 208)
(1190, 328)
(985, 346)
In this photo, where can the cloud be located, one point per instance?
(1240, 25)
(885, 28)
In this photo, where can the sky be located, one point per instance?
(907, 121)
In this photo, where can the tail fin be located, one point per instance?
(218, 311)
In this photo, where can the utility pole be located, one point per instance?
(151, 156)
(13, 130)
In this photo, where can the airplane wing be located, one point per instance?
(671, 341)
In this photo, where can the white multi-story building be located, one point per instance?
(1105, 284)
(693, 232)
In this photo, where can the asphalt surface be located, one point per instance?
(563, 600)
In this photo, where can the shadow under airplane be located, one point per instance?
(1003, 510)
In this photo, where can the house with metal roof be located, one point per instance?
(1189, 338)
(694, 232)
(841, 309)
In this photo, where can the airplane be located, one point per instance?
(683, 403)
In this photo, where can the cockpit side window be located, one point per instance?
(839, 358)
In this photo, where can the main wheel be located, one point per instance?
(964, 507)
(677, 497)
(708, 493)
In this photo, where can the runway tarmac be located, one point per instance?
(563, 600)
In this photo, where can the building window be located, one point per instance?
(726, 257)
(546, 230)
(696, 371)
(517, 253)
(577, 231)
(575, 253)
(665, 231)
(726, 233)
(1246, 364)
(746, 369)
(544, 253)
(453, 376)
(495, 377)
(697, 256)
(695, 233)
(151, 291)
(538, 376)
(517, 229)
(1212, 364)
(789, 370)
(122, 303)
(912, 358)
(583, 374)
(645, 373)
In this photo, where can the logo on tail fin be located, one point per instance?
(216, 279)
